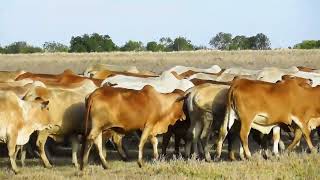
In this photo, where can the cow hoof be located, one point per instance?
(48, 166)
(76, 165)
(140, 163)
(314, 151)
(216, 159)
(16, 171)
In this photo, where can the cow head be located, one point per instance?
(301, 81)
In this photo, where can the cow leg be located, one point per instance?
(88, 145)
(228, 121)
(188, 144)
(276, 139)
(75, 146)
(196, 136)
(41, 141)
(154, 142)
(205, 140)
(11, 145)
(18, 147)
(234, 141)
(244, 132)
(177, 140)
(165, 142)
(306, 132)
(23, 155)
(297, 137)
(98, 143)
(118, 141)
(143, 139)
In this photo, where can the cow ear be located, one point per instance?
(44, 105)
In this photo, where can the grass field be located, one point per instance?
(288, 166)
(157, 62)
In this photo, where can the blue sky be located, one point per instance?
(285, 22)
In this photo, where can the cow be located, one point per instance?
(264, 106)
(64, 79)
(125, 110)
(9, 76)
(186, 72)
(165, 83)
(206, 106)
(67, 110)
(103, 74)
(18, 119)
(93, 69)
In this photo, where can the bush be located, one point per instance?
(21, 47)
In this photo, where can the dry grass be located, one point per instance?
(288, 166)
(57, 62)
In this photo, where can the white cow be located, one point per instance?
(182, 69)
(165, 83)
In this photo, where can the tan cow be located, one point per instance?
(103, 74)
(18, 119)
(263, 106)
(206, 105)
(67, 109)
(93, 69)
(9, 76)
(125, 110)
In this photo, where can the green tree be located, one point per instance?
(308, 44)
(21, 47)
(166, 44)
(54, 47)
(239, 43)
(221, 41)
(182, 44)
(132, 46)
(153, 46)
(77, 44)
(92, 43)
(262, 42)
(1, 50)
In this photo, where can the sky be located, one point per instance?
(285, 22)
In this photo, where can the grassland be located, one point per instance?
(288, 166)
(157, 62)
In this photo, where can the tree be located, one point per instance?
(132, 46)
(54, 47)
(221, 41)
(308, 44)
(92, 43)
(153, 46)
(182, 44)
(239, 43)
(21, 47)
(166, 44)
(262, 42)
(1, 50)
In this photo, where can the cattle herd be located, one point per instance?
(108, 102)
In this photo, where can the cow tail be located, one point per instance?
(88, 103)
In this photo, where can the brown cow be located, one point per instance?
(263, 106)
(103, 74)
(64, 79)
(125, 110)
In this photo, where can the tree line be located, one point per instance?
(103, 43)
